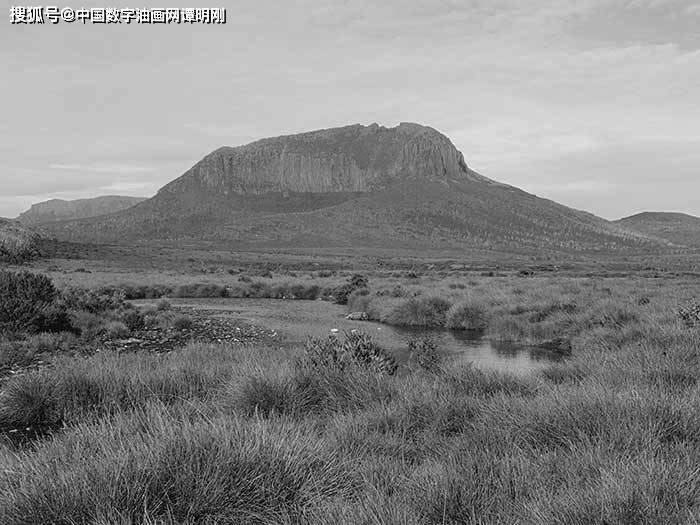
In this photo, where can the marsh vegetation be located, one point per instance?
(333, 431)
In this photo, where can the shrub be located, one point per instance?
(690, 314)
(134, 320)
(359, 280)
(260, 289)
(23, 352)
(341, 293)
(355, 282)
(93, 301)
(182, 322)
(467, 315)
(145, 292)
(115, 330)
(163, 305)
(424, 311)
(90, 325)
(93, 326)
(300, 291)
(54, 319)
(359, 300)
(201, 291)
(424, 352)
(356, 349)
(24, 300)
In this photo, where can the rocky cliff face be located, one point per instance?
(59, 210)
(349, 159)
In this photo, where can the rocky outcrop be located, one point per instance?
(348, 159)
(59, 209)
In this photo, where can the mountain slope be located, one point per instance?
(59, 209)
(406, 186)
(677, 228)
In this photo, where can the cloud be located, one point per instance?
(118, 169)
(553, 93)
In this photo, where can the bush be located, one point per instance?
(25, 351)
(429, 312)
(356, 349)
(115, 330)
(54, 319)
(300, 291)
(359, 300)
(182, 322)
(355, 282)
(467, 315)
(163, 305)
(359, 280)
(93, 301)
(201, 291)
(145, 292)
(424, 352)
(341, 293)
(134, 320)
(24, 301)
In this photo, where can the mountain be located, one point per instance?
(59, 209)
(677, 228)
(357, 186)
(17, 242)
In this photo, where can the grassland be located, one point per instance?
(262, 433)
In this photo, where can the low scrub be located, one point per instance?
(356, 348)
(429, 312)
(24, 351)
(25, 300)
(467, 315)
(93, 301)
(182, 322)
(156, 466)
(425, 354)
(355, 282)
(74, 388)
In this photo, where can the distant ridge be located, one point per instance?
(59, 209)
(678, 228)
(354, 186)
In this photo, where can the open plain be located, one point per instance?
(189, 392)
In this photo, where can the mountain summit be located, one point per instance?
(354, 186)
(349, 159)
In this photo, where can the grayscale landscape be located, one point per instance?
(236, 304)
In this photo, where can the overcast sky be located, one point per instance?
(592, 103)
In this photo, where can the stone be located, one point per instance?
(358, 316)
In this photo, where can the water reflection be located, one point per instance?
(296, 320)
(474, 347)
